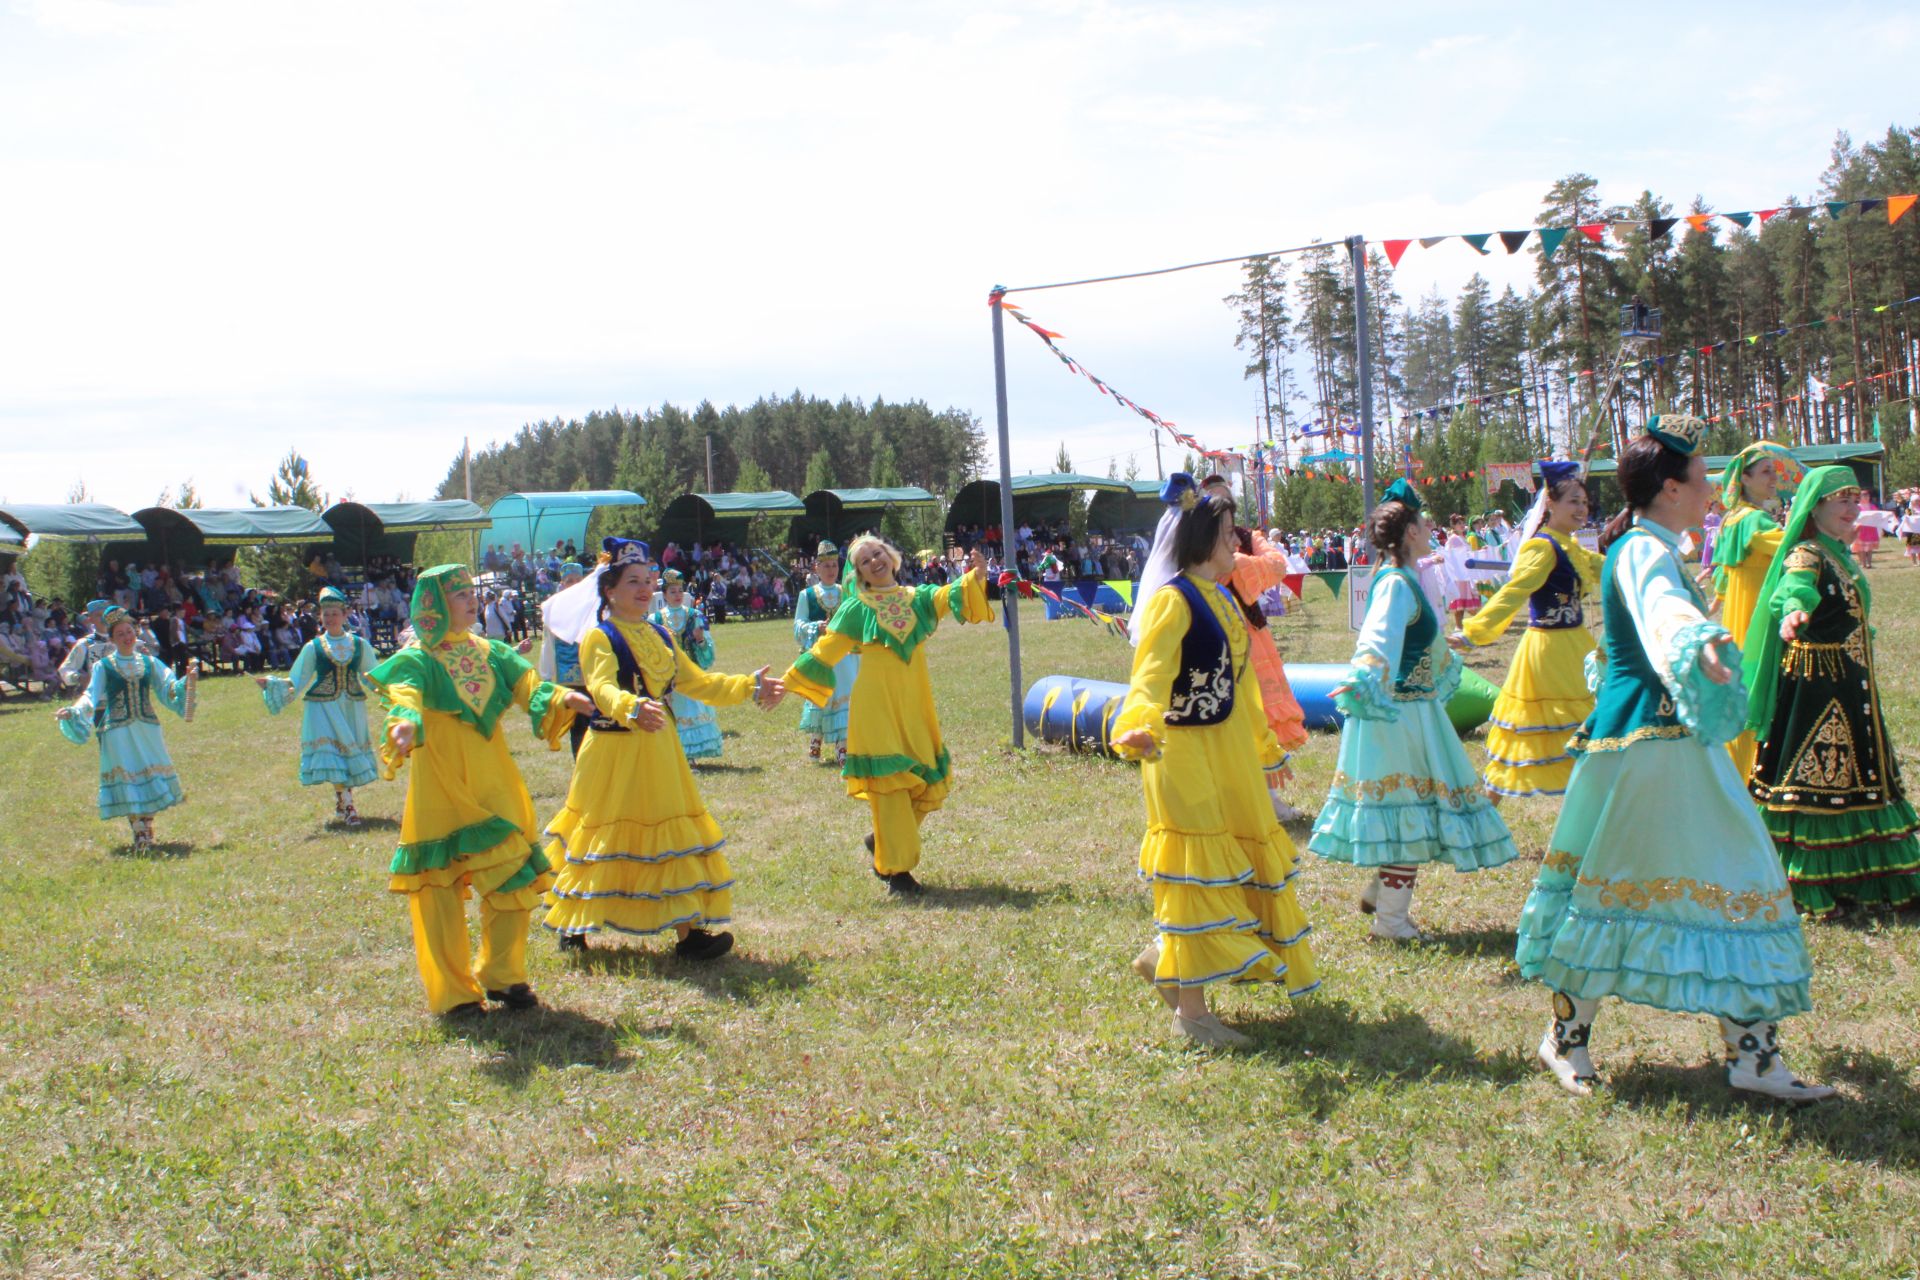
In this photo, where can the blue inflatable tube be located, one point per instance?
(1079, 714)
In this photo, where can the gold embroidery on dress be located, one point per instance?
(1805, 557)
(1641, 734)
(1377, 789)
(893, 607)
(1640, 895)
(1560, 860)
(1826, 759)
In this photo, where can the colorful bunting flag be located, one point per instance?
(1741, 220)
(1594, 231)
(1657, 228)
(1897, 207)
(1837, 207)
(1513, 240)
(1764, 214)
(1479, 242)
(1699, 221)
(1394, 249)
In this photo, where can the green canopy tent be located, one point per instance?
(1035, 497)
(74, 522)
(1135, 512)
(13, 537)
(195, 535)
(540, 521)
(363, 530)
(722, 517)
(842, 514)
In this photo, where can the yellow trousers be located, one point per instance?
(442, 946)
(1744, 750)
(896, 832)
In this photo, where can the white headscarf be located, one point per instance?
(1160, 568)
(570, 614)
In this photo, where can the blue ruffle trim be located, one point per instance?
(357, 770)
(1734, 971)
(76, 729)
(1714, 713)
(149, 797)
(698, 919)
(668, 856)
(278, 694)
(1228, 975)
(705, 886)
(1412, 831)
(1367, 695)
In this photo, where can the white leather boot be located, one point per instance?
(1563, 1050)
(1755, 1065)
(1391, 903)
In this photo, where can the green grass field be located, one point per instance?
(217, 1061)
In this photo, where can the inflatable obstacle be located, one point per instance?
(1078, 714)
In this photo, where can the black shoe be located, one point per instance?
(701, 945)
(472, 1011)
(901, 884)
(573, 942)
(517, 998)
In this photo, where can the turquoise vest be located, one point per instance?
(1632, 703)
(127, 700)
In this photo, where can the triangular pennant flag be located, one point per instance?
(1394, 249)
(1513, 240)
(1764, 214)
(1868, 206)
(1427, 242)
(1479, 242)
(1657, 228)
(1897, 207)
(1594, 231)
(1550, 238)
(1699, 221)
(1739, 219)
(1837, 207)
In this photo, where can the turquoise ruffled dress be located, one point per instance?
(810, 617)
(1405, 792)
(698, 727)
(1660, 884)
(335, 745)
(137, 777)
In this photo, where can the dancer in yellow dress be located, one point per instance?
(1545, 696)
(468, 827)
(1219, 862)
(635, 848)
(896, 760)
(1749, 536)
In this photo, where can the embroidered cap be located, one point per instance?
(624, 551)
(826, 548)
(1402, 492)
(114, 617)
(1555, 470)
(99, 606)
(332, 595)
(1681, 432)
(1180, 491)
(572, 569)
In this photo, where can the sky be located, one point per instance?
(368, 231)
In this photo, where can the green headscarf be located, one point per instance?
(1736, 535)
(428, 611)
(1761, 664)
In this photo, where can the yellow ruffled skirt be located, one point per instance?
(1544, 700)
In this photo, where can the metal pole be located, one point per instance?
(1363, 356)
(1007, 548)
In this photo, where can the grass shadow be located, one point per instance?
(1353, 1051)
(1496, 943)
(968, 897)
(1876, 1121)
(160, 851)
(335, 826)
(724, 766)
(742, 978)
(522, 1043)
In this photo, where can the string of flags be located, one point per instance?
(1550, 239)
(998, 298)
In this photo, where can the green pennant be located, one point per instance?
(1122, 589)
(1550, 238)
(1837, 207)
(1335, 577)
(1739, 219)
(1479, 242)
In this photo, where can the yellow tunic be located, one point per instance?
(893, 731)
(1219, 863)
(1739, 595)
(468, 821)
(1545, 697)
(635, 847)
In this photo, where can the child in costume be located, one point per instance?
(468, 827)
(694, 721)
(811, 613)
(559, 660)
(1826, 777)
(1462, 597)
(636, 849)
(1660, 885)
(327, 679)
(1743, 549)
(1219, 863)
(76, 668)
(896, 761)
(137, 778)
(1257, 569)
(1404, 792)
(1545, 696)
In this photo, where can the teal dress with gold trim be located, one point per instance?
(1660, 884)
(328, 679)
(1405, 792)
(137, 778)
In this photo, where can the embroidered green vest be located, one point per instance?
(126, 700)
(1416, 676)
(1632, 703)
(333, 679)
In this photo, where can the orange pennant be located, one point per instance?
(1898, 205)
(1699, 221)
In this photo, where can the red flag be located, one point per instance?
(1594, 231)
(1764, 214)
(1394, 249)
